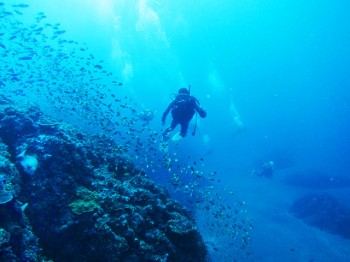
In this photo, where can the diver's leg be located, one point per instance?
(184, 127)
(172, 126)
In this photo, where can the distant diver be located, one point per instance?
(183, 108)
(266, 170)
(146, 115)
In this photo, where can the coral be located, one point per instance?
(87, 200)
(324, 211)
(5, 197)
(4, 237)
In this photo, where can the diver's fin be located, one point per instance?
(176, 137)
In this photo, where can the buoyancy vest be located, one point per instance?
(184, 106)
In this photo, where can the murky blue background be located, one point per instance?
(283, 64)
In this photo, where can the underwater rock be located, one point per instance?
(4, 237)
(18, 243)
(88, 202)
(5, 197)
(183, 231)
(323, 211)
(14, 125)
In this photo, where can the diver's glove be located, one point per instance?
(202, 113)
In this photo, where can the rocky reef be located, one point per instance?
(324, 211)
(70, 196)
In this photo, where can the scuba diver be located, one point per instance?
(146, 115)
(266, 170)
(183, 108)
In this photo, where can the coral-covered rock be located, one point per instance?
(86, 201)
(5, 197)
(323, 211)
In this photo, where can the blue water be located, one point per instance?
(273, 77)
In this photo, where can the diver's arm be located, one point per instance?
(202, 113)
(166, 112)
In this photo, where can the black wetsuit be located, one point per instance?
(183, 108)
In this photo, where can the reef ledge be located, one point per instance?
(84, 201)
